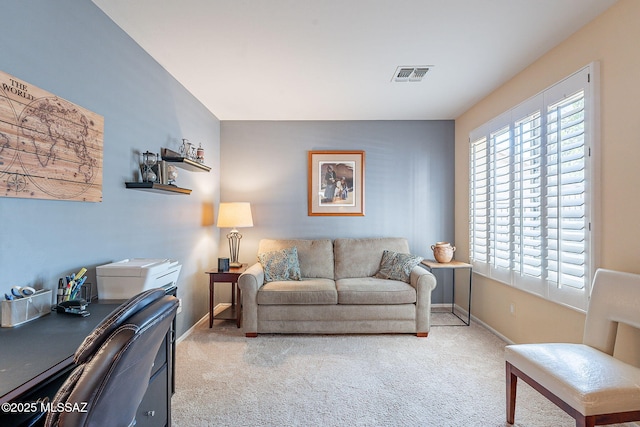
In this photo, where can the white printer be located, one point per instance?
(129, 277)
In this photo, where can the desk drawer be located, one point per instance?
(153, 409)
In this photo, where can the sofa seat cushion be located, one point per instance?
(371, 290)
(305, 291)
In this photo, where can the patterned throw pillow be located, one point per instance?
(280, 265)
(397, 266)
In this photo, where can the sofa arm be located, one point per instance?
(249, 282)
(424, 282)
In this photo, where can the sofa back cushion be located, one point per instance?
(314, 256)
(361, 257)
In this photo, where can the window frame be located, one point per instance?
(587, 80)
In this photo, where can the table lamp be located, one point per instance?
(234, 215)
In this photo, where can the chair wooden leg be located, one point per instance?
(512, 382)
(422, 334)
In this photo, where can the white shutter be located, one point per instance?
(500, 203)
(566, 200)
(479, 203)
(528, 215)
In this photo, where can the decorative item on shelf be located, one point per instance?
(234, 215)
(200, 154)
(149, 160)
(188, 151)
(185, 148)
(172, 174)
(443, 251)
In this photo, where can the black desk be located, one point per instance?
(36, 357)
(35, 351)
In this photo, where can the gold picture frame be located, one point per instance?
(336, 183)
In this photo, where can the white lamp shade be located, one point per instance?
(233, 215)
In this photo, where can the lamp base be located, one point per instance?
(234, 247)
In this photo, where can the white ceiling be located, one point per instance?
(335, 59)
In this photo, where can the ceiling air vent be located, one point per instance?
(410, 74)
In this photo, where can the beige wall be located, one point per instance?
(612, 40)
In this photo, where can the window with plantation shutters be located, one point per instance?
(532, 192)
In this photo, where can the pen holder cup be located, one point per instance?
(85, 292)
(21, 310)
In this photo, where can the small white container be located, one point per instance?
(21, 310)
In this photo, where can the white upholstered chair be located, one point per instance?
(585, 380)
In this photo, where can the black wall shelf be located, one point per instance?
(183, 162)
(157, 187)
(188, 164)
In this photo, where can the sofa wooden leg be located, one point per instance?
(583, 421)
(422, 334)
(251, 334)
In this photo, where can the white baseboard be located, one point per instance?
(463, 312)
(191, 329)
(493, 331)
(204, 318)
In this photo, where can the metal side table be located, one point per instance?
(453, 266)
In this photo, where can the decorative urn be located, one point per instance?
(443, 251)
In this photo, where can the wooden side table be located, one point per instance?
(453, 266)
(231, 276)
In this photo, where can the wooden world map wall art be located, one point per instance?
(50, 148)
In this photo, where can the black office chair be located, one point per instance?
(114, 364)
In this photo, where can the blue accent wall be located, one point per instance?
(72, 49)
(409, 180)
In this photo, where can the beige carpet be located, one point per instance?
(455, 377)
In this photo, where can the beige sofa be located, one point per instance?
(338, 292)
